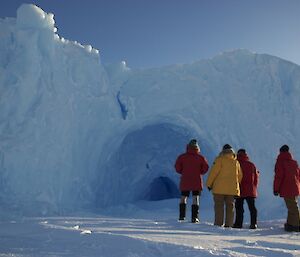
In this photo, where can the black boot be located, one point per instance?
(288, 227)
(253, 224)
(182, 208)
(238, 221)
(195, 212)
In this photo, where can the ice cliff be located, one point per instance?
(75, 133)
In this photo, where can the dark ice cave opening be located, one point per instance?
(142, 168)
(162, 188)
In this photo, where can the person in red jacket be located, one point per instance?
(287, 185)
(191, 165)
(248, 187)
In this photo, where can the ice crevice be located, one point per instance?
(123, 107)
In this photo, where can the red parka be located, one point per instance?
(287, 176)
(191, 165)
(248, 185)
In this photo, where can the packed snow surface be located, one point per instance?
(142, 232)
(80, 135)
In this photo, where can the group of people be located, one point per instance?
(233, 178)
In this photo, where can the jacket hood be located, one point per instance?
(243, 157)
(285, 156)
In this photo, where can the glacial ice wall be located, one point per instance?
(53, 114)
(75, 133)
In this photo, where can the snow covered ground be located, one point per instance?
(149, 229)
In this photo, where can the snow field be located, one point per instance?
(113, 236)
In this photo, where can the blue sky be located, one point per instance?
(153, 33)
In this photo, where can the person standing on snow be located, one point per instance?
(223, 179)
(287, 185)
(248, 187)
(191, 165)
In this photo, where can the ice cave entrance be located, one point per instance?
(144, 163)
(161, 188)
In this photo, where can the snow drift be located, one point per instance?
(79, 134)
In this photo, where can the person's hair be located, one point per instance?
(227, 146)
(284, 148)
(241, 151)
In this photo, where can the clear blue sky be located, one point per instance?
(153, 33)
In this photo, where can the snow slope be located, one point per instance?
(77, 134)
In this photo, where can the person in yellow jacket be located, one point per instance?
(223, 179)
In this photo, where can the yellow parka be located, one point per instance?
(225, 174)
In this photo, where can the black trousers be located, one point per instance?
(239, 210)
